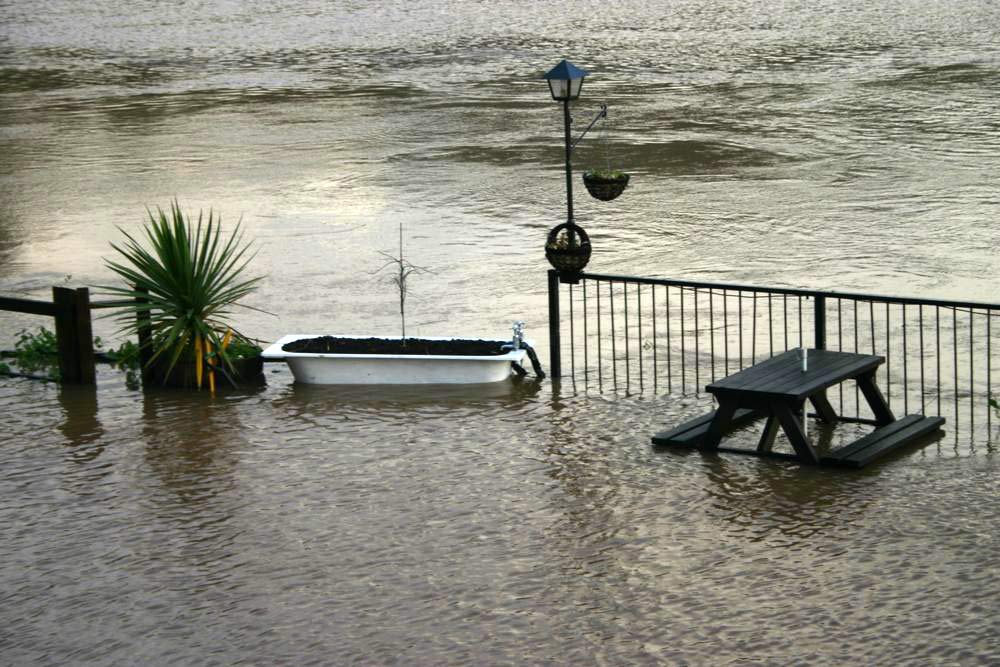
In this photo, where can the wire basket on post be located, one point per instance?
(605, 185)
(568, 250)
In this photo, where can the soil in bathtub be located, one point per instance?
(411, 346)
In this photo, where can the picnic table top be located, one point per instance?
(781, 376)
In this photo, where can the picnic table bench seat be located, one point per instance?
(690, 433)
(882, 441)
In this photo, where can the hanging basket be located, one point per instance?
(566, 255)
(605, 185)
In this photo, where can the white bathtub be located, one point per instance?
(315, 368)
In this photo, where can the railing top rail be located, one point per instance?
(855, 296)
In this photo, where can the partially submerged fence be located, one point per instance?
(651, 334)
(74, 335)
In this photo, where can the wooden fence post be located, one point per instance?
(74, 335)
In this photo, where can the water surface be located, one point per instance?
(835, 145)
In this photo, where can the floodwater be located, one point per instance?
(835, 145)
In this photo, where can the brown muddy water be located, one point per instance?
(839, 145)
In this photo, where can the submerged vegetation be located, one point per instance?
(126, 358)
(34, 353)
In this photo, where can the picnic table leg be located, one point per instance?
(823, 408)
(719, 426)
(793, 429)
(766, 441)
(883, 414)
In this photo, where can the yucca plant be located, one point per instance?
(186, 284)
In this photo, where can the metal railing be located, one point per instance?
(651, 334)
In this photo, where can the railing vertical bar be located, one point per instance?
(954, 345)
(923, 391)
(683, 351)
(972, 384)
(725, 328)
(888, 357)
(770, 325)
(711, 328)
(871, 320)
(614, 338)
(840, 346)
(628, 361)
(906, 380)
(784, 310)
(937, 356)
(656, 372)
(989, 372)
(600, 341)
(753, 332)
(697, 346)
(586, 358)
(670, 368)
(871, 326)
(739, 323)
(638, 308)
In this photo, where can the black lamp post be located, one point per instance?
(570, 253)
(565, 82)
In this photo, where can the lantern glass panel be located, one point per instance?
(563, 89)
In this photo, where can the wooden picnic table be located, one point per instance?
(778, 389)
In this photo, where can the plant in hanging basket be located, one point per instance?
(568, 248)
(605, 184)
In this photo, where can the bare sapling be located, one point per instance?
(402, 269)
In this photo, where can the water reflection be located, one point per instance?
(11, 234)
(765, 500)
(591, 530)
(35, 80)
(191, 444)
(768, 500)
(318, 400)
(80, 425)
